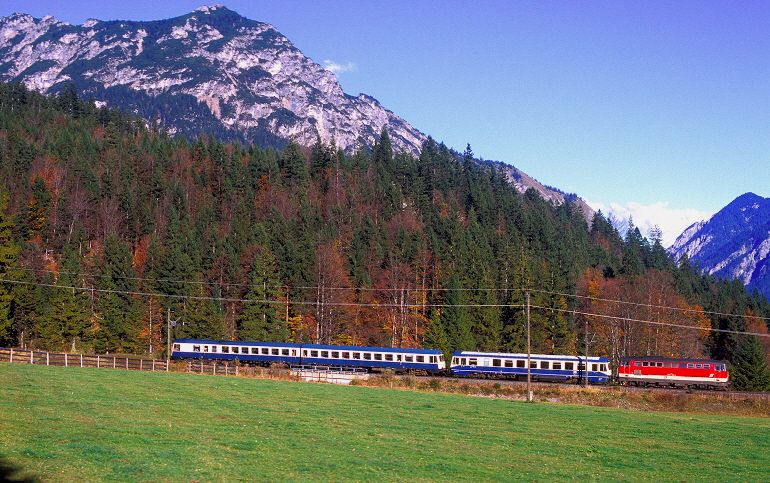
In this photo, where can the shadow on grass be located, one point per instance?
(11, 474)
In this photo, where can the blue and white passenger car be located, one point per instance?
(543, 367)
(370, 358)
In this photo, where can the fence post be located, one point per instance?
(98, 361)
(65, 360)
(81, 360)
(140, 364)
(31, 356)
(126, 363)
(11, 357)
(47, 358)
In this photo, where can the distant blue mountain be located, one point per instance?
(734, 243)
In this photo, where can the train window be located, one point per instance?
(497, 362)
(176, 347)
(367, 356)
(304, 353)
(645, 364)
(432, 359)
(213, 348)
(471, 362)
(604, 368)
(659, 364)
(196, 348)
(388, 357)
(324, 353)
(356, 355)
(398, 357)
(244, 350)
(521, 363)
(569, 366)
(533, 364)
(294, 352)
(690, 366)
(411, 359)
(275, 352)
(377, 357)
(225, 349)
(346, 355)
(441, 357)
(284, 352)
(544, 364)
(420, 358)
(313, 353)
(699, 366)
(205, 348)
(235, 350)
(266, 351)
(594, 367)
(707, 366)
(509, 363)
(557, 366)
(581, 367)
(335, 355)
(666, 364)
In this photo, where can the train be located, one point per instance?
(643, 371)
(647, 371)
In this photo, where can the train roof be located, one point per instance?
(670, 359)
(532, 356)
(308, 346)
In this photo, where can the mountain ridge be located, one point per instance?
(734, 243)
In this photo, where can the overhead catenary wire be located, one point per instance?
(393, 305)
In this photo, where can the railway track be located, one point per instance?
(605, 387)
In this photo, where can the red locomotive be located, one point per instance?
(668, 372)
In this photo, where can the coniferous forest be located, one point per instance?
(109, 229)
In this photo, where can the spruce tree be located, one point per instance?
(750, 371)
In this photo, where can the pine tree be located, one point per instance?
(261, 317)
(8, 263)
(750, 371)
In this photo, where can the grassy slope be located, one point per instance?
(74, 425)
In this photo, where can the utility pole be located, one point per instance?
(529, 356)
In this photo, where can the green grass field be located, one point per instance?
(95, 425)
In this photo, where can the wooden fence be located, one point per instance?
(81, 360)
(214, 368)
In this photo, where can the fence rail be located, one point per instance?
(214, 368)
(81, 360)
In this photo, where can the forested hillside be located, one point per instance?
(108, 227)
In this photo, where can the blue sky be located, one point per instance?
(660, 110)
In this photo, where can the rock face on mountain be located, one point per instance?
(211, 70)
(734, 243)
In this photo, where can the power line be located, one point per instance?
(387, 305)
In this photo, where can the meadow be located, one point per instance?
(60, 424)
